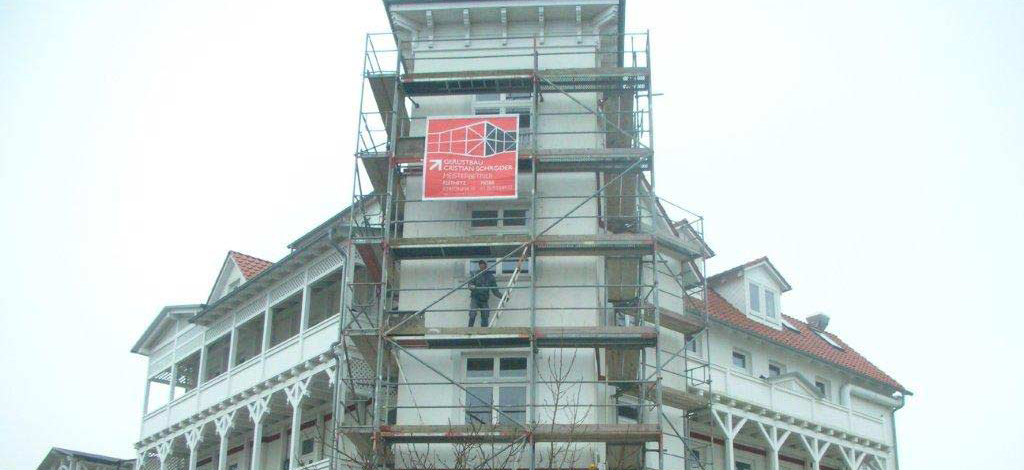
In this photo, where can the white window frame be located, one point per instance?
(500, 227)
(762, 301)
(495, 382)
(623, 400)
(774, 303)
(697, 342)
(758, 297)
(781, 367)
(504, 270)
(827, 339)
(828, 387)
(746, 360)
(504, 105)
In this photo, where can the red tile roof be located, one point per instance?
(251, 266)
(805, 341)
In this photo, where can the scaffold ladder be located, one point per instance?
(511, 282)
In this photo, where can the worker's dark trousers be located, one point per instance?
(479, 305)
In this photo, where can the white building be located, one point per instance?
(612, 348)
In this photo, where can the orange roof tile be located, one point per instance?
(251, 266)
(806, 340)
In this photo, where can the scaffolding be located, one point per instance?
(641, 246)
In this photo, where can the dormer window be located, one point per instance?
(755, 298)
(762, 302)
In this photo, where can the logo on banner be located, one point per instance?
(471, 158)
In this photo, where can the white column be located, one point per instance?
(192, 438)
(295, 393)
(173, 381)
(257, 410)
(730, 429)
(853, 458)
(223, 424)
(163, 449)
(775, 441)
(816, 448)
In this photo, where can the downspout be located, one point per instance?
(895, 444)
(894, 404)
(338, 413)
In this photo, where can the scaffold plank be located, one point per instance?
(494, 246)
(547, 337)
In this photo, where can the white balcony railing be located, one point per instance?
(307, 345)
(785, 398)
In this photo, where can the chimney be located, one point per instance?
(818, 321)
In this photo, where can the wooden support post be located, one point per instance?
(257, 410)
(295, 392)
(775, 441)
(192, 438)
(730, 429)
(816, 448)
(223, 424)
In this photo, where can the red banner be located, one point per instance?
(473, 157)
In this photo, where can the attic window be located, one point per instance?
(790, 326)
(827, 339)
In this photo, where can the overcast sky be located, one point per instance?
(873, 149)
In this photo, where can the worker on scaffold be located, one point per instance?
(480, 289)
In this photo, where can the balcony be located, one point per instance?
(239, 378)
(790, 400)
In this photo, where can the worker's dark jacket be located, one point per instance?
(483, 284)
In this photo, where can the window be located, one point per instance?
(827, 339)
(307, 446)
(487, 383)
(284, 319)
(775, 369)
(510, 217)
(743, 466)
(627, 412)
(739, 360)
(159, 390)
(823, 386)
(487, 218)
(505, 268)
(187, 374)
(769, 303)
(514, 217)
(324, 298)
(249, 339)
(755, 298)
(524, 117)
(695, 461)
(691, 342)
(217, 357)
(507, 103)
(790, 326)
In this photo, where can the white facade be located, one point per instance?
(261, 371)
